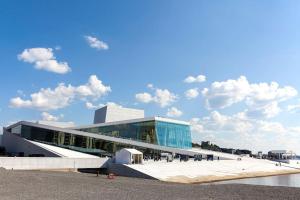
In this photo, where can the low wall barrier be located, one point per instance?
(39, 163)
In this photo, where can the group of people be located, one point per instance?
(169, 157)
(152, 157)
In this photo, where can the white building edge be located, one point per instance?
(22, 138)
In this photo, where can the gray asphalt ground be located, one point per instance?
(23, 185)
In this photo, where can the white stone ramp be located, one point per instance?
(194, 169)
(63, 152)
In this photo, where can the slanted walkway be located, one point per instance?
(204, 171)
(63, 152)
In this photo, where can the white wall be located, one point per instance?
(37, 163)
(113, 113)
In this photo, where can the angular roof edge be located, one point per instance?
(133, 121)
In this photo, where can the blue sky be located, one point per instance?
(243, 46)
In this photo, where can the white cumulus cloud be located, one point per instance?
(191, 93)
(268, 110)
(144, 97)
(261, 99)
(240, 131)
(264, 92)
(174, 112)
(224, 94)
(96, 43)
(48, 117)
(44, 59)
(162, 97)
(91, 106)
(195, 79)
(62, 95)
(294, 108)
(150, 85)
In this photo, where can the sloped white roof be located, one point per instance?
(132, 151)
(63, 152)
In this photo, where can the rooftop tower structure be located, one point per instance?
(114, 113)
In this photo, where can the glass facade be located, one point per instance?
(173, 135)
(154, 132)
(75, 142)
(140, 131)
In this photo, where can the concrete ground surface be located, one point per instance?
(23, 185)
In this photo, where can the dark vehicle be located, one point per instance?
(184, 158)
(197, 157)
(209, 157)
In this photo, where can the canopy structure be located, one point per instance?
(129, 156)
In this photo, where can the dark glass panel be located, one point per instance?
(141, 131)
